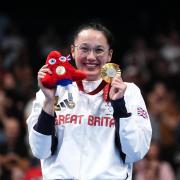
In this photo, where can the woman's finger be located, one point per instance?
(46, 70)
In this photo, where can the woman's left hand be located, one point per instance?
(118, 88)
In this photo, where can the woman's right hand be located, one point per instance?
(49, 93)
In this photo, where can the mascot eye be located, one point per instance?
(62, 58)
(52, 61)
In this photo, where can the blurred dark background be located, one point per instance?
(126, 19)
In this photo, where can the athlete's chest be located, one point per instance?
(89, 110)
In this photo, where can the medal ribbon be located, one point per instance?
(103, 85)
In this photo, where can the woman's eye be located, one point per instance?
(98, 51)
(52, 61)
(84, 49)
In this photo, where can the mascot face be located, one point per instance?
(57, 63)
(63, 73)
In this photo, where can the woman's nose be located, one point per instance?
(91, 55)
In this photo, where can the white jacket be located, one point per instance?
(86, 136)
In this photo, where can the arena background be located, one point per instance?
(126, 19)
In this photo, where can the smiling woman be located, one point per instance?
(100, 138)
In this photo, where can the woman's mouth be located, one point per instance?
(91, 65)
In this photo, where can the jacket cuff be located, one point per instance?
(119, 107)
(45, 123)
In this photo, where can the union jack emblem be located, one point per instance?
(142, 112)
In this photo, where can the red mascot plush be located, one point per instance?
(63, 73)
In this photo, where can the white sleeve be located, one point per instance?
(135, 131)
(40, 144)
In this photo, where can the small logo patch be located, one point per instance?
(142, 112)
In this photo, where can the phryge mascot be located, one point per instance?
(63, 74)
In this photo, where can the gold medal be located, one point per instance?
(56, 105)
(71, 104)
(109, 70)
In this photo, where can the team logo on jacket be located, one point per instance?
(107, 109)
(142, 112)
(61, 105)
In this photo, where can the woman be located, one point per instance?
(98, 138)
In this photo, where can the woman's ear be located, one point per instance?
(110, 55)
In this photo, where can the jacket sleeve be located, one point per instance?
(134, 129)
(40, 137)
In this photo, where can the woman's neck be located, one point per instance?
(91, 85)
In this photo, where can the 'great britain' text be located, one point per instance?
(91, 120)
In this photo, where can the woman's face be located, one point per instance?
(91, 51)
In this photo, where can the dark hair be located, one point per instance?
(96, 26)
